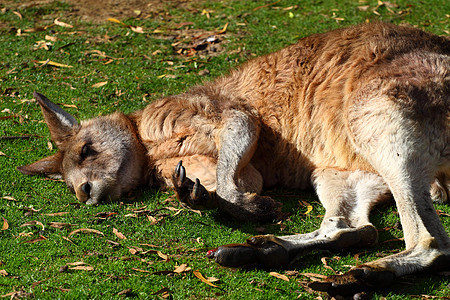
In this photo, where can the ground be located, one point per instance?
(147, 245)
(98, 11)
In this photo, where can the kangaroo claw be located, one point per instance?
(357, 280)
(179, 175)
(189, 192)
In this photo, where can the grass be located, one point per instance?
(36, 258)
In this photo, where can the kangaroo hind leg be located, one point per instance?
(406, 149)
(348, 197)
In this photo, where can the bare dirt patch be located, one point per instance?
(98, 11)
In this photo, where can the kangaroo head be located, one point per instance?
(99, 159)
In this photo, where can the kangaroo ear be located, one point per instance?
(49, 166)
(59, 122)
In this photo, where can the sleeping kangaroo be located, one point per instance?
(361, 114)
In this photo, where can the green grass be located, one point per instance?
(138, 68)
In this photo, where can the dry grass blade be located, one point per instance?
(62, 24)
(164, 292)
(86, 230)
(40, 238)
(314, 276)
(52, 63)
(77, 263)
(140, 270)
(203, 279)
(325, 264)
(56, 214)
(32, 223)
(82, 268)
(124, 292)
(99, 84)
(279, 276)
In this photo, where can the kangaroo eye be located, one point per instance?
(86, 151)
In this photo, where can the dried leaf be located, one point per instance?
(51, 38)
(164, 292)
(8, 197)
(49, 145)
(114, 244)
(3, 273)
(223, 30)
(70, 105)
(291, 273)
(35, 284)
(40, 238)
(85, 230)
(52, 63)
(314, 276)
(137, 29)
(154, 220)
(162, 255)
(213, 279)
(149, 245)
(24, 234)
(181, 268)
(124, 292)
(363, 7)
(325, 264)
(67, 239)
(32, 223)
(18, 14)
(99, 84)
(203, 279)
(82, 268)
(441, 213)
(77, 263)
(35, 29)
(279, 276)
(5, 224)
(2, 154)
(56, 214)
(140, 270)
(119, 234)
(60, 225)
(116, 21)
(309, 209)
(62, 24)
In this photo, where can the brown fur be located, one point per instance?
(357, 113)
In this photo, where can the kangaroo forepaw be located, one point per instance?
(189, 192)
(264, 251)
(357, 280)
(260, 209)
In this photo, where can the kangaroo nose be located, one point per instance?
(86, 188)
(83, 191)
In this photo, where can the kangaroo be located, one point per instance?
(361, 114)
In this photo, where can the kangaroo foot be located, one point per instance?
(265, 251)
(357, 280)
(189, 192)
